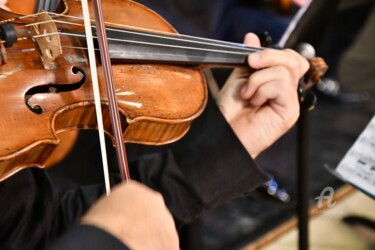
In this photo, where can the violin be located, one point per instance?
(45, 81)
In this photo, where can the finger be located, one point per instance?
(263, 95)
(296, 64)
(277, 74)
(271, 91)
(252, 40)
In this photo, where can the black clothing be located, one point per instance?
(88, 237)
(206, 168)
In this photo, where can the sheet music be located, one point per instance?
(358, 165)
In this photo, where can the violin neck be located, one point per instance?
(145, 47)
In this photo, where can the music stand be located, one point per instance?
(307, 26)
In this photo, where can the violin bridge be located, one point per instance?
(45, 34)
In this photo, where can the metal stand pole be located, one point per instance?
(302, 184)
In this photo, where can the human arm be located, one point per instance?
(36, 213)
(133, 214)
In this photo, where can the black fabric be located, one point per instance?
(28, 204)
(34, 212)
(209, 166)
(206, 168)
(94, 239)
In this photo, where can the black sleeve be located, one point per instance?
(88, 237)
(206, 168)
(34, 212)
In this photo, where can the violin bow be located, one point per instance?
(112, 99)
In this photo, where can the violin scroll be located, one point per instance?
(318, 68)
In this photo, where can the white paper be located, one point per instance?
(358, 165)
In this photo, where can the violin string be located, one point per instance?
(159, 44)
(55, 21)
(18, 39)
(148, 43)
(84, 48)
(172, 36)
(34, 15)
(239, 46)
(152, 30)
(135, 53)
(198, 40)
(10, 51)
(19, 18)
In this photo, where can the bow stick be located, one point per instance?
(107, 70)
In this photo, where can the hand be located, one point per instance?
(263, 106)
(136, 215)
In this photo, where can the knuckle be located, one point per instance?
(159, 198)
(295, 64)
(288, 50)
(158, 195)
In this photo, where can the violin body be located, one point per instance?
(41, 99)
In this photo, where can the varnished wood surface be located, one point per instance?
(157, 102)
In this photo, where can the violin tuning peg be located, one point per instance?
(265, 39)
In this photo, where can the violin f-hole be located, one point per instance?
(53, 89)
